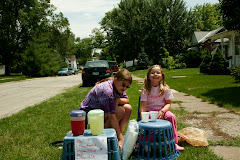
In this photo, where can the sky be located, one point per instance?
(85, 15)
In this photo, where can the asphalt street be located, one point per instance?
(15, 96)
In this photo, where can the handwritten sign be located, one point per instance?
(91, 148)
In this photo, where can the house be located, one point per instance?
(229, 46)
(71, 61)
(2, 69)
(227, 41)
(201, 41)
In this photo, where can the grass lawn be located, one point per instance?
(13, 77)
(218, 89)
(27, 134)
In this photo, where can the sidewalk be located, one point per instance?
(219, 123)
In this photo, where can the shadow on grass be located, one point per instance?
(228, 97)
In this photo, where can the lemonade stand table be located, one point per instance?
(156, 141)
(68, 152)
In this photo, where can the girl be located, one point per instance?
(110, 96)
(156, 96)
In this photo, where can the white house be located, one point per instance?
(201, 41)
(71, 61)
(2, 69)
(231, 48)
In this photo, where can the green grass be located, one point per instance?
(27, 134)
(13, 77)
(218, 89)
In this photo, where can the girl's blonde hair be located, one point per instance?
(122, 75)
(147, 83)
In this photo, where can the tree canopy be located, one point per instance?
(25, 25)
(148, 24)
(207, 17)
(230, 10)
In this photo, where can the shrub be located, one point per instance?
(235, 72)
(168, 63)
(192, 58)
(205, 65)
(142, 60)
(180, 65)
(218, 65)
(213, 65)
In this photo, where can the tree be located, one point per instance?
(40, 59)
(149, 24)
(207, 17)
(123, 27)
(142, 60)
(100, 42)
(62, 39)
(50, 44)
(230, 10)
(84, 49)
(18, 20)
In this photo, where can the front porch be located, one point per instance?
(230, 48)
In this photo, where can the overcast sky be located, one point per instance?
(84, 15)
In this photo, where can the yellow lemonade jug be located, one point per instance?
(96, 121)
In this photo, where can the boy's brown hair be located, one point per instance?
(122, 75)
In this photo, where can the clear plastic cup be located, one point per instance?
(153, 115)
(145, 116)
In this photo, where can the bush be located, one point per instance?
(168, 62)
(235, 72)
(213, 65)
(205, 65)
(218, 65)
(142, 60)
(192, 58)
(179, 65)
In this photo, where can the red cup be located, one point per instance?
(77, 122)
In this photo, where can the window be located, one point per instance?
(237, 45)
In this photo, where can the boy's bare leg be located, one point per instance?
(107, 123)
(119, 114)
(127, 112)
(123, 114)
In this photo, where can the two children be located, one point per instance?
(110, 96)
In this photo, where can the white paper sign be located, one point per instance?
(91, 148)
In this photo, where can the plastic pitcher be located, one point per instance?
(96, 121)
(77, 122)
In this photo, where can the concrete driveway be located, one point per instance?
(15, 96)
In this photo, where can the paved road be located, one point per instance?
(15, 96)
